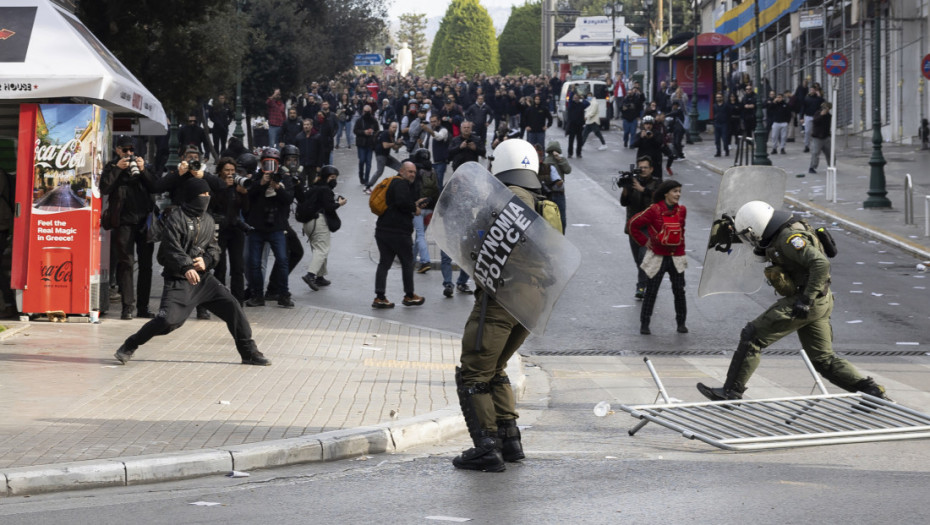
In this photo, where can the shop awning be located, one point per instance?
(739, 22)
(708, 44)
(47, 53)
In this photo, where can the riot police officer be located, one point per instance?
(484, 391)
(800, 273)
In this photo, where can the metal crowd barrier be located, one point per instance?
(756, 424)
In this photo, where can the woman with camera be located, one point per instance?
(665, 240)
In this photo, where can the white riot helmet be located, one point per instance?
(757, 222)
(516, 163)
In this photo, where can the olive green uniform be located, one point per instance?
(482, 366)
(805, 270)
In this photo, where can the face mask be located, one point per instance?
(412, 93)
(332, 184)
(197, 206)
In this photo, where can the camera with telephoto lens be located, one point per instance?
(242, 180)
(194, 165)
(648, 134)
(133, 167)
(626, 178)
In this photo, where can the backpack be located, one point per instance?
(549, 211)
(377, 201)
(308, 209)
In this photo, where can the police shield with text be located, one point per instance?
(489, 226)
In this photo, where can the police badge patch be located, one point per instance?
(797, 240)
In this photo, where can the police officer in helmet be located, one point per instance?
(483, 387)
(800, 273)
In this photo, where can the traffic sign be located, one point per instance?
(835, 64)
(368, 59)
(925, 67)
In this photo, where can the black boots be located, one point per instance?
(485, 456)
(870, 387)
(718, 394)
(509, 434)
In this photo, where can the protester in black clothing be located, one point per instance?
(193, 134)
(366, 130)
(393, 231)
(129, 186)
(810, 107)
(722, 114)
(649, 142)
(779, 114)
(748, 111)
(221, 115)
(309, 145)
(574, 123)
(234, 148)
(187, 252)
(226, 205)
(467, 147)
(479, 113)
(736, 119)
(290, 129)
(536, 120)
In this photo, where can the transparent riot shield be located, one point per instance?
(511, 252)
(735, 270)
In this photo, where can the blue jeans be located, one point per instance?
(420, 247)
(722, 136)
(274, 135)
(558, 197)
(278, 279)
(629, 131)
(440, 170)
(344, 129)
(536, 137)
(364, 163)
(445, 267)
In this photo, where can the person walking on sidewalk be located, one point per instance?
(800, 273)
(188, 250)
(780, 114)
(820, 136)
(665, 221)
(721, 124)
(393, 234)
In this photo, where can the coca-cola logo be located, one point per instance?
(58, 273)
(60, 156)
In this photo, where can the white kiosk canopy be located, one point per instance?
(47, 53)
(590, 39)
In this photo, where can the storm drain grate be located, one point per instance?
(672, 352)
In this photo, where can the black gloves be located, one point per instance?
(802, 308)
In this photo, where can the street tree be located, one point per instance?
(465, 43)
(413, 32)
(520, 40)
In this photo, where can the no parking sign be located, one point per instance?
(925, 67)
(835, 64)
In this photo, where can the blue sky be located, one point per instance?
(438, 7)
(62, 119)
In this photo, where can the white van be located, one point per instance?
(583, 87)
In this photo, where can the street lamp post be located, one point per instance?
(877, 191)
(611, 10)
(693, 135)
(647, 85)
(760, 156)
(238, 131)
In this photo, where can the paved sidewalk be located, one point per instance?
(75, 418)
(808, 191)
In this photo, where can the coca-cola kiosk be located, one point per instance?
(60, 257)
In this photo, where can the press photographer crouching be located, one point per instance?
(636, 189)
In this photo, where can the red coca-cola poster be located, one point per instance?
(60, 234)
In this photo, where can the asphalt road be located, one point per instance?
(580, 468)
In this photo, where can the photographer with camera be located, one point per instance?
(650, 142)
(467, 147)
(226, 205)
(128, 185)
(270, 197)
(636, 189)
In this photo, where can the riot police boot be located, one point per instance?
(718, 394)
(484, 456)
(870, 387)
(509, 434)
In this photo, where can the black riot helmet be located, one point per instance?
(328, 170)
(247, 162)
(421, 158)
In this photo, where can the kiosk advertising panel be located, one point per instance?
(57, 231)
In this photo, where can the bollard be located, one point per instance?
(831, 184)
(908, 199)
